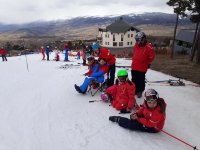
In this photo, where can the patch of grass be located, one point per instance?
(179, 66)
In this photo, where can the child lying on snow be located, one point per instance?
(122, 93)
(97, 73)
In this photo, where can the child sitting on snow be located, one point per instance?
(122, 93)
(97, 74)
(149, 118)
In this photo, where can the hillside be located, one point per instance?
(87, 27)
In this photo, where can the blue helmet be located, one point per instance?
(95, 46)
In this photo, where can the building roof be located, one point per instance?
(119, 26)
(186, 35)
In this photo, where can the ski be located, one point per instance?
(168, 83)
(122, 66)
(160, 81)
(66, 66)
(95, 101)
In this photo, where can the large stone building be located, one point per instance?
(117, 36)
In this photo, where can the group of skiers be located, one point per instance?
(150, 116)
(47, 51)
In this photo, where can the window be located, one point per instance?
(122, 37)
(113, 38)
(127, 43)
(128, 35)
(105, 43)
(131, 43)
(114, 43)
(108, 35)
(131, 35)
(120, 43)
(108, 43)
(105, 35)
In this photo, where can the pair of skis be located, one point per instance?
(69, 66)
(169, 82)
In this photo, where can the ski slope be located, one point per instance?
(41, 110)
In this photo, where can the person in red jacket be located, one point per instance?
(143, 55)
(3, 54)
(109, 57)
(149, 118)
(42, 51)
(122, 94)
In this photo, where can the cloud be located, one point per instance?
(22, 11)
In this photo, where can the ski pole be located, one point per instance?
(95, 101)
(26, 62)
(194, 147)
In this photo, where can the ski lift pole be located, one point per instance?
(26, 62)
(194, 147)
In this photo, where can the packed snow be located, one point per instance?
(41, 110)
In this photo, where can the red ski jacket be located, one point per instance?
(107, 55)
(3, 51)
(142, 57)
(151, 118)
(123, 95)
(42, 50)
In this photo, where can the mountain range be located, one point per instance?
(87, 27)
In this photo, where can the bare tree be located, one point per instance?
(180, 7)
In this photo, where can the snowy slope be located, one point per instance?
(40, 110)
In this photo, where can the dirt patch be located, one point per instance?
(179, 67)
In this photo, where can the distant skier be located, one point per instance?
(47, 50)
(84, 54)
(66, 51)
(57, 56)
(143, 55)
(42, 51)
(3, 54)
(149, 118)
(78, 55)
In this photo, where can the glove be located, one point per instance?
(124, 111)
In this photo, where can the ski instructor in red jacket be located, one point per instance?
(104, 53)
(143, 55)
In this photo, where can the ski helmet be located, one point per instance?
(104, 97)
(95, 46)
(151, 95)
(122, 73)
(140, 37)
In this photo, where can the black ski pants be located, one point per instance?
(111, 75)
(134, 125)
(139, 79)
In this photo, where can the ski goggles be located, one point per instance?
(151, 99)
(138, 39)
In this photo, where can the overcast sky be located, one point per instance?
(24, 11)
